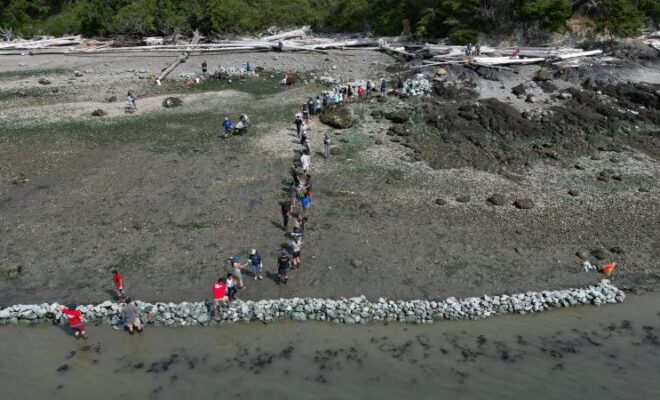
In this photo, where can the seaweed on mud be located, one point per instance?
(491, 135)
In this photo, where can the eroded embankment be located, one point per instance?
(348, 311)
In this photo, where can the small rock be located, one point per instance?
(98, 113)
(582, 254)
(111, 99)
(78, 74)
(518, 90)
(356, 263)
(574, 192)
(599, 254)
(497, 199)
(616, 250)
(44, 81)
(9, 272)
(464, 198)
(440, 202)
(565, 96)
(172, 102)
(644, 189)
(531, 99)
(524, 203)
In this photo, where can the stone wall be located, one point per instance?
(356, 310)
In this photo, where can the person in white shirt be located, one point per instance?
(305, 160)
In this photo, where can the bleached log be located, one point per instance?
(346, 43)
(578, 54)
(181, 58)
(505, 60)
(41, 43)
(297, 33)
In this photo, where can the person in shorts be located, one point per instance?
(132, 320)
(118, 281)
(283, 265)
(257, 266)
(236, 269)
(75, 320)
(219, 295)
(231, 287)
(295, 253)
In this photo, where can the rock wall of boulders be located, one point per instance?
(356, 310)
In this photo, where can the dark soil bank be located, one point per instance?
(611, 352)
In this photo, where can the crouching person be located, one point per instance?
(75, 320)
(130, 314)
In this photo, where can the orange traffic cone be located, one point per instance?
(608, 268)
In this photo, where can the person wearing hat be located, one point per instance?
(228, 126)
(283, 265)
(255, 259)
(236, 268)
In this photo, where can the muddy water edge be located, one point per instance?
(612, 352)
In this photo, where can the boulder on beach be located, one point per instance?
(338, 117)
(172, 102)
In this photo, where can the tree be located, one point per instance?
(620, 18)
(550, 15)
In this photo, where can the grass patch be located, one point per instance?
(351, 142)
(181, 129)
(260, 86)
(30, 93)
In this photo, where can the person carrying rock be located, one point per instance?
(299, 122)
(295, 252)
(118, 281)
(298, 232)
(327, 142)
(317, 105)
(237, 267)
(285, 208)
(75, 320)
(305, 112)
(131, 318)
(311, 107)
(283, 265)
(219, 295)
(257, 266)
(305, 161)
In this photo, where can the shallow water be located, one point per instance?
(612, 352)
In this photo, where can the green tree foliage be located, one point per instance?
(459, 20)
(621, 17)
(548, 14)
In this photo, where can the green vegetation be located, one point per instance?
(459, 20)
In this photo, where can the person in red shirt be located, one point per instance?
(360, 91)
(118, 280)
(75, 320)
(219, 295)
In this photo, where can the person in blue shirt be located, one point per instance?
(248, 67)
(228, 126)
(255, 260)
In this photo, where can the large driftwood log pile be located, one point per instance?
(302, 40)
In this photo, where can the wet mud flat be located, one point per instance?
(609, 352)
